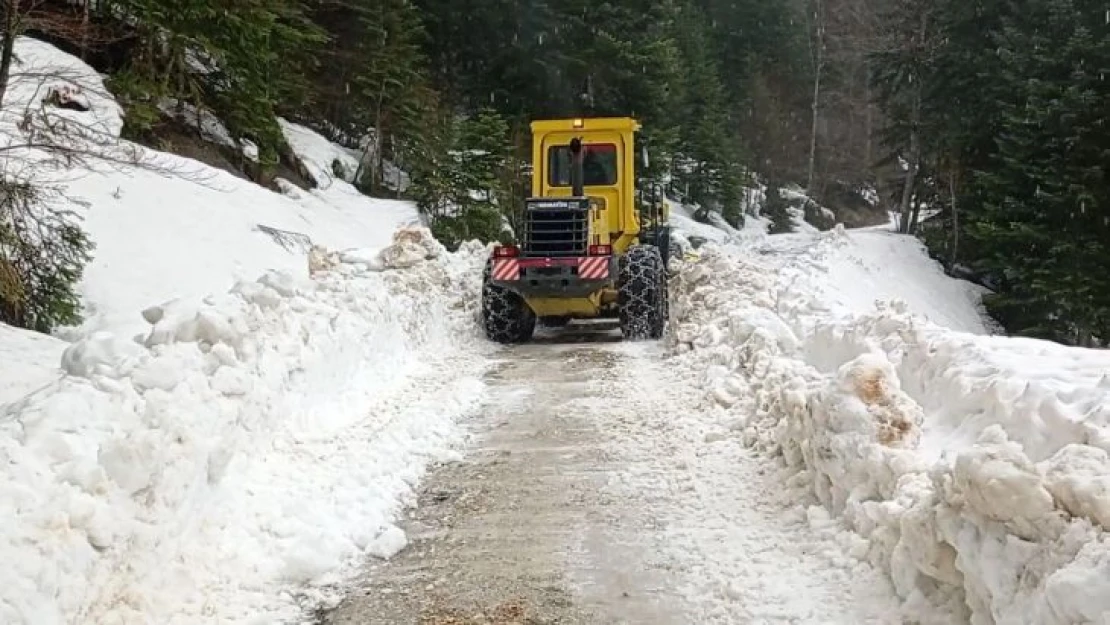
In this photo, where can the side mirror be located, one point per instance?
(644, 157)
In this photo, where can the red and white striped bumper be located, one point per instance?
(593, 267)
(588, 267)
(506, 269)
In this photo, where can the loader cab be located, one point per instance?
(608, 158)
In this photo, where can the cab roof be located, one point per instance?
(571, 124)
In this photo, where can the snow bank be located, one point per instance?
(198, 230)
(219, 458)
(854, 268)
(252, 443)
(976, 466)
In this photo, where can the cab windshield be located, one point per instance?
(599, 165)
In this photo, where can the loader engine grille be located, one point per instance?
(556, 227)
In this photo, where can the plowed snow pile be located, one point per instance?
(194, 458)
(255, 442)
(976, 466)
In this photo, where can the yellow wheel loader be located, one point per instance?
(590, 247)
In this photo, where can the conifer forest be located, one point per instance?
(981, 124)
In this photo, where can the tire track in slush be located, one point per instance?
(597, 491)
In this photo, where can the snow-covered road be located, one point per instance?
(596, 491)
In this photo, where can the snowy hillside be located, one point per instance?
(178, 228)
(877, 264)
(203, 228)
(974, 466)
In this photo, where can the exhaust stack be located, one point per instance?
(576, 173)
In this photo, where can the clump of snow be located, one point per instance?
(255, 442)
(974, 465)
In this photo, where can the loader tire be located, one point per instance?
(642, 293)
(506, 318)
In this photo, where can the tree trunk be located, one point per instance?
(869, 120)
(908, 183)
(909, 218)
(85, 32)
(7, 53)
(955, 217)
(915, 214)
(818, 60)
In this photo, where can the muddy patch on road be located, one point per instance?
(501, 537)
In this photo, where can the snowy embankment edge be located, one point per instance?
(255, 443)
(979, 479)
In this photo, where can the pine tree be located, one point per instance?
(372, 85)
(243, 59)
(1042, 227)
(776, 208)
(43, 253)
(1006, 101)
(462, 181)
(710, 174)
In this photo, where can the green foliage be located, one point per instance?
(775, 208)
(372, 80)
(139, 98)
(709, 172)
(460, 181)
(242, 59)
(1011, 99)
(43, 253)
(1042, 223)
(676, 65)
